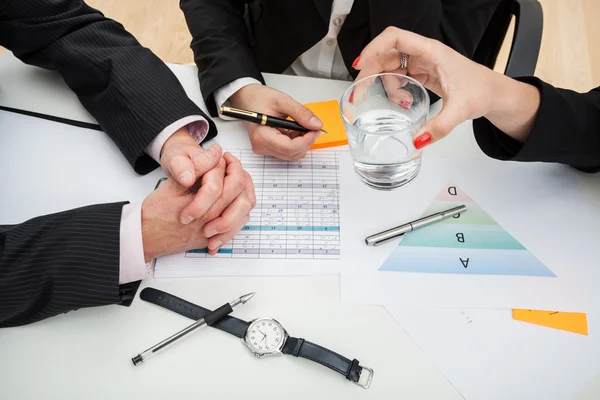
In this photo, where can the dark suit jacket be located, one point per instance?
(567, 130)
(60, 262)
(235, 38)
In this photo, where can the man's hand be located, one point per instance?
(234, 204)
(163, 233)
(218, 210)
(186, 160)
(271, 141)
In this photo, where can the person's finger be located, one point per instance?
(232, 214)
(302, 115)
(236, 180)
(359, 92)
(439, 126)
(293, 134)
(296, 148)
(217, 241)
(249, 186)
(388, 61)
(172, 189)
(181, 168)
(391, 38)
(281, 145)
(209, 192)
(180, 162)
(361, 88)
(396, 94)
(205, 160)
(426, 80)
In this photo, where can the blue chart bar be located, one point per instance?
(290, 228)
(205, 251)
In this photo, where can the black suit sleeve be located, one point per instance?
(60, 262)
(130, 92)
(567, 130)
(220, 43)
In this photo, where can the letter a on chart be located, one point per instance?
(469, 243)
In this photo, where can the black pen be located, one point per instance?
(264, 119)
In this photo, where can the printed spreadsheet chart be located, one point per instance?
(297, 210)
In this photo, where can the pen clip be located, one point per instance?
(230, 110)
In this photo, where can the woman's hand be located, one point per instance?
(468, 90)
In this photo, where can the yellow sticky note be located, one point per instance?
(329, 113)
(567, 321)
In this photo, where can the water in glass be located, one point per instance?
(382, 148)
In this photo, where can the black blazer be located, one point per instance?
(60, 262)
(232, 39)
(567, 130)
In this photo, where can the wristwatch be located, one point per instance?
(266, 337)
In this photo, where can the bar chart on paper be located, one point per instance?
(297, 210)
(469, 243)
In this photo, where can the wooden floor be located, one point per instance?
(569, 57)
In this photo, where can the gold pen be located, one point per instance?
(263, 119)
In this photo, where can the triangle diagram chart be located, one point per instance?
(470, 243)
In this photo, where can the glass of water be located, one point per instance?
(382, 114)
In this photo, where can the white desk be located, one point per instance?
(86, 354)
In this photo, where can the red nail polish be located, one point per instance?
(351, 98)
(355, 63)
(422, 140)
(405, 104)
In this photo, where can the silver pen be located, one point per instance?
(394, 233)
(209, 319)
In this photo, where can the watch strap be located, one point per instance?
(351, 369)
(229, 324)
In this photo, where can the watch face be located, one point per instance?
(265, 335)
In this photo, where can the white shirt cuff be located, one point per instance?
(132, 266)
(196, 125)
(223, 93)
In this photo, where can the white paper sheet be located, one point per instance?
(294, 228)
(486, 354)
(538, 204)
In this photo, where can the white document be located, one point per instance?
(486, 354)
(294, 228)
(537, 204)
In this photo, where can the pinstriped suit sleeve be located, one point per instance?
(129, 91)
(59, 262)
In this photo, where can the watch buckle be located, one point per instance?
(369, 378)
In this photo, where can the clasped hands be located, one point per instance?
(176, 219)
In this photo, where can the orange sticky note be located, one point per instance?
(329, 113)
(575, 322)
